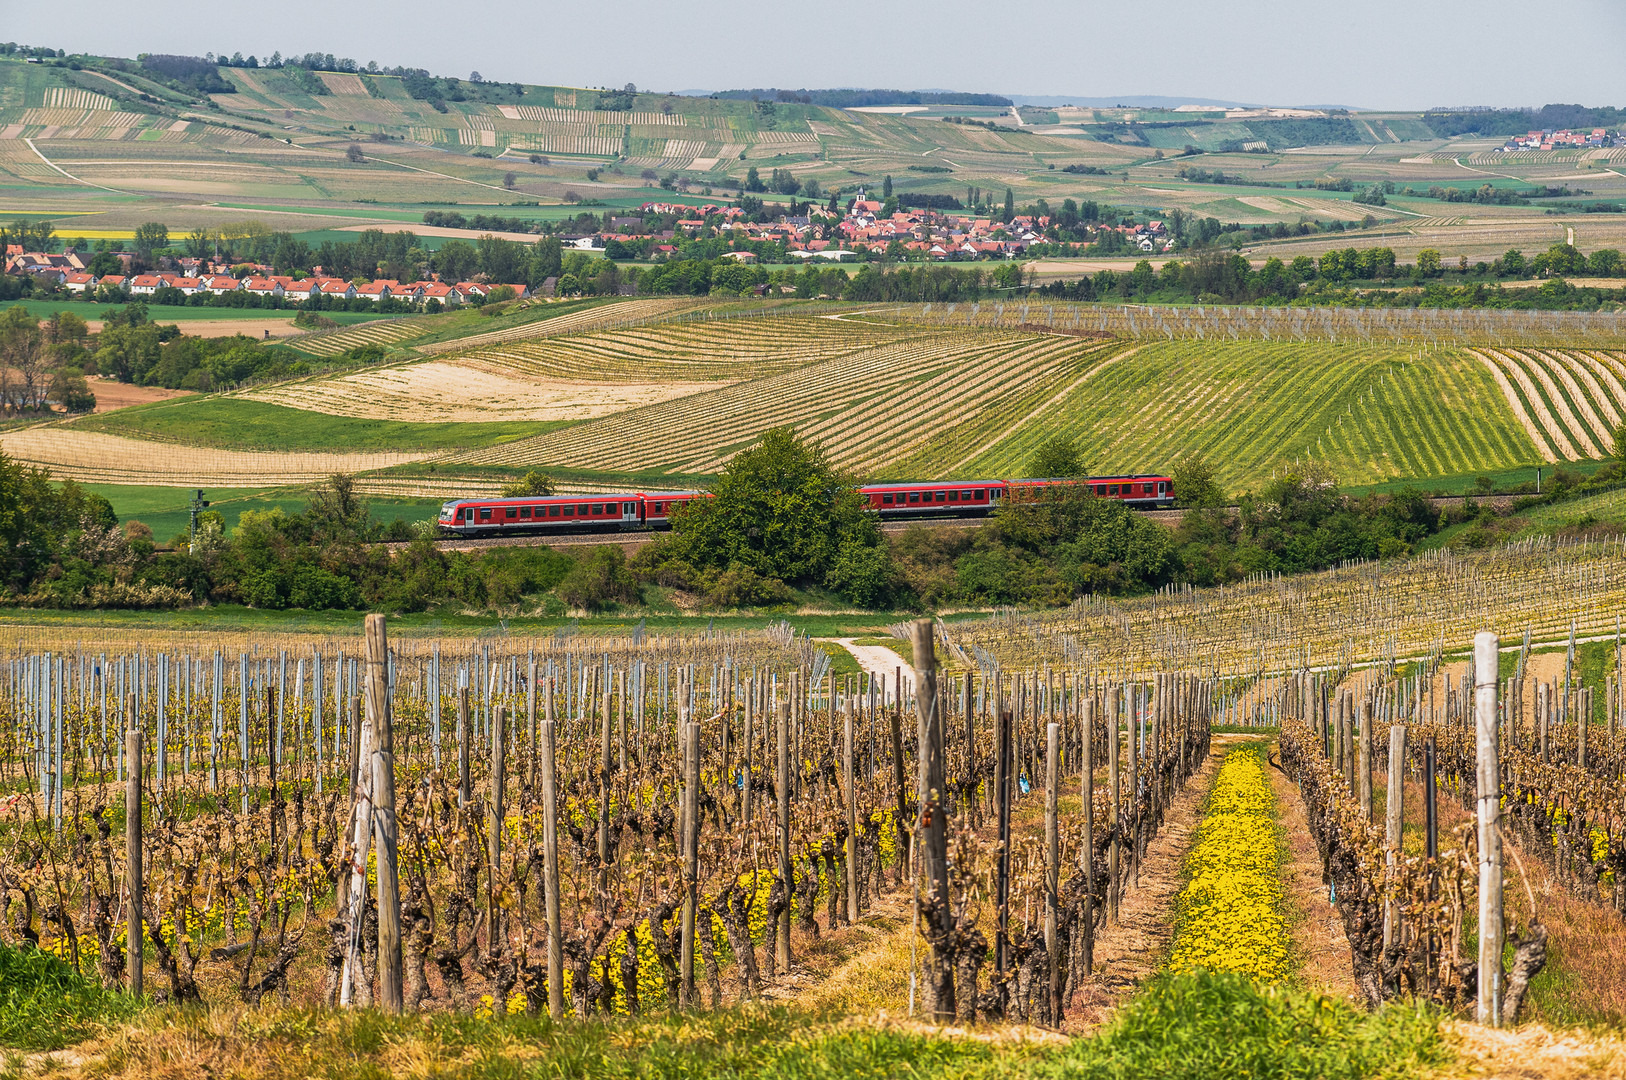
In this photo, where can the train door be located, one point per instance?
(629, 510)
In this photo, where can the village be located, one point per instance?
(1562, 140)
(867, 229)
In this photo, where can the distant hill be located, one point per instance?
(851, 98)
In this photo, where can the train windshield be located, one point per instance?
(447, 509)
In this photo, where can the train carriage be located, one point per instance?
(891, 502)
(550, 513)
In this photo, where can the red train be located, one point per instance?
(652, 510)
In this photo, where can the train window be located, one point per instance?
(512, 512)
(914, 496)
(581, 509)
(654, 508)
(1112, 489)
(525, 511)
(485, 513)
(553, 511)
(965, 496)
(887, 499)
(980, 494)
(598, 508)
(954, 496)
(942, 496)
(570, 511)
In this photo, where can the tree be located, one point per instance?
(508, 180)
(336, 511)
(149, 237)
(69, 389)
(535, 482)
(1428, 263)
(353, 153)
(780, 508)
(1010, 205)
(886, 188)
(753, 181)
(1194, 484)
(22, 361)
(1057, 456)
(456, 261)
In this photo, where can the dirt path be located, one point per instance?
(1127, 952)
(1319, 943)
(881, 662)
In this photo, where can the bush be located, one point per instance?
(600, 581)
(863, 573)
(739, 586)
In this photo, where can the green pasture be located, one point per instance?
(163, 313)
(167, 510)
(232, 423)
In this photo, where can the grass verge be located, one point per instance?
(1203, 1024)
(46, 1005)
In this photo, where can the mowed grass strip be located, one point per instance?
(233, 423)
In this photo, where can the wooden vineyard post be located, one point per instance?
(1087, 852)
(1114, 787)
(1393, 819)
(383, 764)
(901, 811)
(133, 757)
(689, 834)
(1491, 931)
(1002, 816)
(550, 862)
(1133, 779)
(937, 908)
(848, 787)
(1363, 761)
(604, 797)
(494, 826)
(1052, 865)
(462, 747)
(782, 793)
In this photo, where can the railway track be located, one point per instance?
(632, 541)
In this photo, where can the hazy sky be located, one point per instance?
(1401, 54)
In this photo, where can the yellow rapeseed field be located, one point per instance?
(1230, 911)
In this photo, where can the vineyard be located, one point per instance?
(1046, 820)
(568, 826)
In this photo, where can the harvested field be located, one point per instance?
(112, 394)
(91, 456)
(454, 391)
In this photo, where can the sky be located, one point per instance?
(1384, 54)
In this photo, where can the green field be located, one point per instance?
(163, 313)
(239, 424)
(166, 510)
